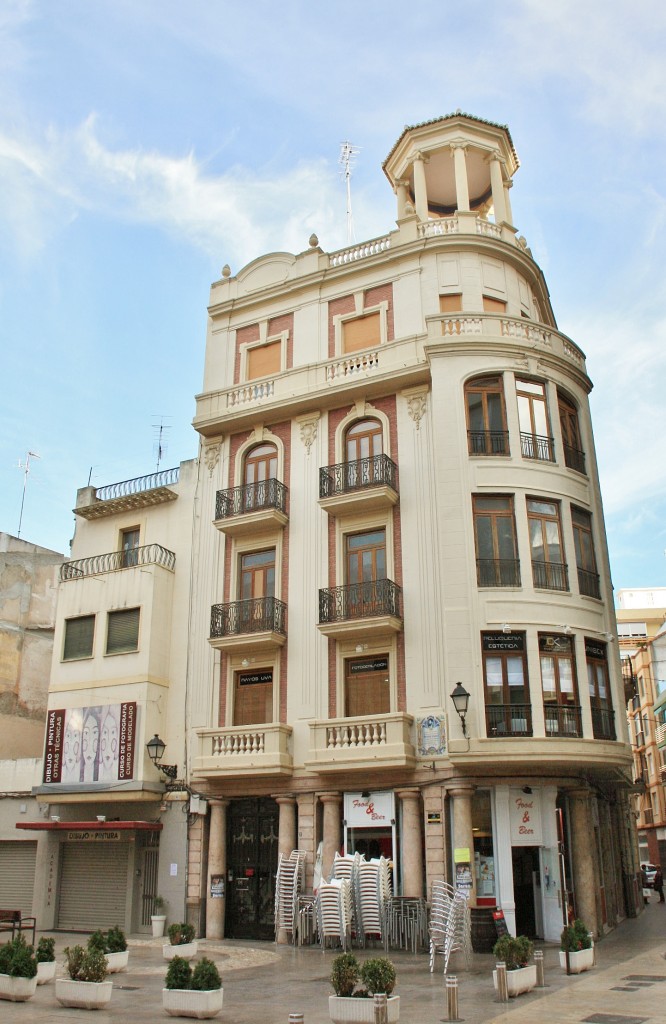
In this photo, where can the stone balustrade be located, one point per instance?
(243, 750)
(368, 741)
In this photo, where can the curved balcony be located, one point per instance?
(550, 575)
(371, 607)
(603, 723)
(361, 485)
(508, 720)
(241, 510)
(259, 624)
(498, 572)
(563, 720)
(574, 459)
(588, 583)
(488, 442)
(535, 446)
(95, 565)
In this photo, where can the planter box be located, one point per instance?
(157, 922)
(581, 960)
(46, 971)
(83, 995)
(117, 961)
(522, 980)
(350, 1010)
(188, 950)
(187, 1002)
(17, 990)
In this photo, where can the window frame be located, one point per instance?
(114, 616)
(91, 652)
(386, 682)
(484, 386)
(280, 338)
(129, 556)
(572, 442)
(562, 650)
(543, 518)
(530, 401)
(585, 553)
(495, 515)
(340, 319)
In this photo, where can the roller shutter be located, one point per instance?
(93, 886)
(17, 875)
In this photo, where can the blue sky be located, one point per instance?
(143, 145)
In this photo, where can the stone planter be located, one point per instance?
(117, 961)
(187, 1002)
(580, 960)
(46, 971)
(17, 990)
(83, 995)
(522, 980)
(351, 1010)
(157, 922)
(188, 950)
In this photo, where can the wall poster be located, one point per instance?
(90, 744)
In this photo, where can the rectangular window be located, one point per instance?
(492, 305)
(129, 543)
(508, 708)
(79, 635)
(486, 417)
(123, 631)
(535, 439)
(450, 303)
(264, 360)
(588, 577)
(549, 570)
(361, 332)
(574, 456)
(603, 718)
(367, 687)
(497, 562)
(253, 697)
(558, 683)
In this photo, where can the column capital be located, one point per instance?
(460, 791)
(579, 792)
(331, 798)
(218, 801)
(464, 146)
(419, 155)
(284, 798)
(408, 794)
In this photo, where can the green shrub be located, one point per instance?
(180, 933)
(97, 941)
(115, 940)
(179, 973)
(85, 965)
(159, 905)
(6, 951)
(514, 952)
(45, 950)
(345, 972)
(378, 975)
(575, 937)
(17, 959)
(206, 976)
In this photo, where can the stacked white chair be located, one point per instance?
(373, 892)
(289, 884)
(346, 866)
(334, 911)
(450, 923)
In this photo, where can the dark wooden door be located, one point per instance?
(252, 854)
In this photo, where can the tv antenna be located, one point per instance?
(347, 154)
(161, 444)
(26, 469)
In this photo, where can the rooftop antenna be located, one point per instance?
(161, 444)
(347, 154)
(26, 469)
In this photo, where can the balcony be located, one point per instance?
(497, 572)
(534, 446)
(563, 720)
(603, 723)
(550, 575)
(588, 583)
(149, 554)
(660, 735)
(243, 750)
(367, 608)
(508, 720)
(574, 459)
(127, 495)
(488, 442)
(359, 486)
(242, 510)
(259, 624)
(374, 741)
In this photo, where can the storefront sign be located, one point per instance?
(252, 678)
(503, 641)
(368, 665)
(550, 643)
(594, 649)
(525, 817)
(500, 923)
(377, 810)
(93, 837)
(90, 744)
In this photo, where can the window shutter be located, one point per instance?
(264, 360)
(363, 332)
(79, 637)
(123, 631)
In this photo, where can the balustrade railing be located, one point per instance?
(562, 720)
(360, 252)
(165, 478)
(234, 744)
(356, 734)
(94, 565)
(259, 615)
(359, 601)
(588, 583)
(509, 719)
(498, 572)
(376, 471)
(574, 458)
(534, 446)
(603, 723)
(550, 575)
(263, 494)
(488, 442)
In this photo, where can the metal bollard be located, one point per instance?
(452, 997)
(502, 985)
(380, 1007)
(538, 960)
(296, 1018)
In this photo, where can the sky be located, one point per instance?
(145, 145)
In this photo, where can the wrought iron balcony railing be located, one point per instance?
(509, 719)
(254, 497)
(550, 575)
(359, 601)
(534, 446)
(498, 572)
(588, 583)
(603, 723)
(149, 554)
(376, 471)
(562, 720)
(574, 458)
(488, 442)
(165, 478)
(260, 615)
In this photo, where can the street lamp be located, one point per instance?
(156, 748)
(460, 698)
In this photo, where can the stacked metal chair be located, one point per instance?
(373, 892)
(334, 912)
(289, 885)
(450, 924)
(346, 866)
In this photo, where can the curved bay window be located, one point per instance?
(497, 562)
(603, 717)
(558, 683)
(486, 417)
(549, 570)
(535, 439)
(574, 456)
(588, 577)
(508, 708)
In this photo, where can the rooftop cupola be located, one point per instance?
(457, 167)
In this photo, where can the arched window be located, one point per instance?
(260, 477)
(364, 446)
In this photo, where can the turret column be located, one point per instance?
(460, 171)
(497, 188)
(420, 189)
(401, 191)
(508, 184)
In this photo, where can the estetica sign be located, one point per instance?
(525, 817)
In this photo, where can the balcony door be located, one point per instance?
(364, 443)
(367, 687)
(366, 567)
(260, 467)
(257, 582)
(253, 697)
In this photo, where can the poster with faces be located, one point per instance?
(90, 744)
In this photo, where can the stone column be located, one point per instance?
(583, 857)
(497, 188)
(460, 171)
(286, 837)
(463, 837)
(412, 843)
(331, 837)
(306, 831)
(403, 196)
(217, 865)
(508, 184)
(420, 189)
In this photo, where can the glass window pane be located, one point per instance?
(495, 419)
(484, 537)
(548, 674)
(475, 411)
(514, 668)
(505, 538)
(566, 675)
(494, 672)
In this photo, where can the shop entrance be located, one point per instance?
(252, 855)
(527, 891)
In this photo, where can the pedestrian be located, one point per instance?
(659, 884)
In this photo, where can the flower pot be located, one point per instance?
(188, 950)
(580, 960)
(17, 990)
(353, 1010)
(117, 961)
(83, 995)
(522, 980)
(46, 971)
(187, 1002)
(158, 921)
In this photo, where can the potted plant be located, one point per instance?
(86, 988)
(355, 1005)
(46, 961)
(158, 916)
(576, 942)
(113, 945)
(515, 952)
(192, 993)
(18, 970)
(182, 936)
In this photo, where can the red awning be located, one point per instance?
(91, 826)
